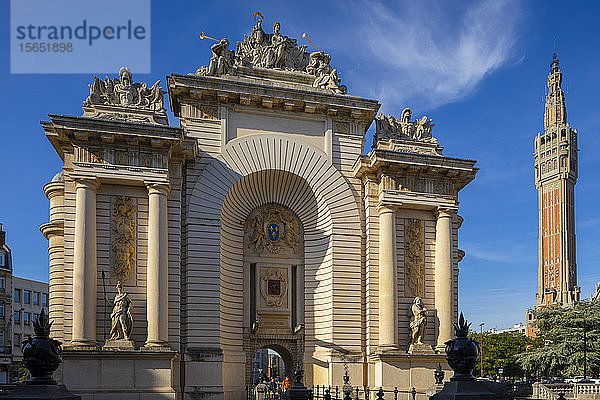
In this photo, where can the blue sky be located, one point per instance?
(477, 68)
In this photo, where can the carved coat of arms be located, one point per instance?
(274, 287)
(272, 228)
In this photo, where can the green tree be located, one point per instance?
(561, 332)
(499, 352)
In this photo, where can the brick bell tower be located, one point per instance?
(555, 177)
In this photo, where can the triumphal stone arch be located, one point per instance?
(258, 222)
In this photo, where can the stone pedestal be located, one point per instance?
(40, 392)
(120, 344)
(471, 389)
(405, 370)
(420, 348)
(120, 374)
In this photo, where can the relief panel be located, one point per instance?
(414, 258)
(123, 239)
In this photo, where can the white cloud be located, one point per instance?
(503, 251)
(429, 53)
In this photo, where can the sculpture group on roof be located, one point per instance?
(123, 91)
(274, 51)
(389, 127)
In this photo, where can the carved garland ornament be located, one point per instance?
(274, 229)
(123, 237)
(414, 258)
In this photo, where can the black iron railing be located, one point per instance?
(322, 392)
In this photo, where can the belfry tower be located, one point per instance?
(555, 177)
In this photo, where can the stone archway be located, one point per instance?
(289, 347)
(249, 172)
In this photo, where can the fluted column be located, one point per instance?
(157, 280)
(443, 275)
(387, 278)
(85, 265)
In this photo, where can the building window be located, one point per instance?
(2, 310)
(36, 299)
(17, 342)
(26, 297)
(2, 259)
(17, 295)
(44, 299)
(35, 316)
(26, 318)
(2, 282)
(17, 317)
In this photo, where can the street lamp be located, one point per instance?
(481, 348)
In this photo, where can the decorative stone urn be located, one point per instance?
(461, 354)
(41, 354)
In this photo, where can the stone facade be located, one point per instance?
(259, 223)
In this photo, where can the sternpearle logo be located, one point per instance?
(79, 36)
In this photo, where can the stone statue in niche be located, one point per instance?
(414, 258)
(124, 92)
(121, 321)
(123, 237)
(419, 321)
(418, 312)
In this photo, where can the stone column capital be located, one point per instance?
(158, 188)
(383, 208)
(445, 212)
(87, 183)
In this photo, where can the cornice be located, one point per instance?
(52, 228)
(460, 171)
(64, 131)
(268, 94)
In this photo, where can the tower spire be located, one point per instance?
(556, 110)
(555, 178)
